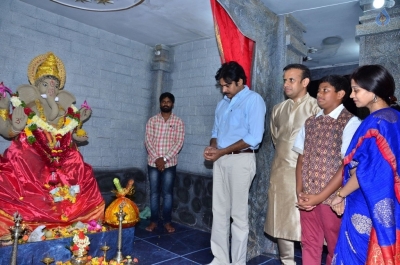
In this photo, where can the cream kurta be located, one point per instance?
(287, 118)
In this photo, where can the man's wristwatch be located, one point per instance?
(165, 159)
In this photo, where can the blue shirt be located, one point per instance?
(240, 118)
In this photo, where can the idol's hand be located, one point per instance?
(4, 102)
(85, 114)
(19, 119)
(80, 138)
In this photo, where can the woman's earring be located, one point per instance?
(375, 99)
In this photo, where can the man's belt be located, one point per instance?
(248, 150)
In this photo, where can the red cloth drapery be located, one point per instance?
(232, 44)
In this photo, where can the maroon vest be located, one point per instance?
(322, 155)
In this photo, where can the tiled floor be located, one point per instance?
(185, 246)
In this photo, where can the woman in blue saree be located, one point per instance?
(369, 199)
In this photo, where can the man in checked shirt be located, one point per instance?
(165, 133)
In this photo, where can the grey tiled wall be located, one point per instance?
(193, 85)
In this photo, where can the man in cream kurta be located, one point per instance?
(287, 118)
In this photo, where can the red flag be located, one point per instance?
(232, 44)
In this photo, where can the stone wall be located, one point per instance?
(193, 201)
(379, 44)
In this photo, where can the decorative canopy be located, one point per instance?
(100, 5)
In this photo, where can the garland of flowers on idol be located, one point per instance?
(52, 154)
(71, 122)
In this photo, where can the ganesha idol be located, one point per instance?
(42, 173)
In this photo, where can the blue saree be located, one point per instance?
(370, 229)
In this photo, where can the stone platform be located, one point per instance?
(33, 253)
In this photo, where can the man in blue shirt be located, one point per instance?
(236, 135)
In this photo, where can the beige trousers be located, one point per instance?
(232, 177)
(286, 251)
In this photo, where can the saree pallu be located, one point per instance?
(370, 229)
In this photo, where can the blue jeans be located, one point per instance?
(161, 182)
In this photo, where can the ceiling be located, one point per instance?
(330, 24)
(330, 28)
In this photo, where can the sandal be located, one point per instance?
(151, 227)
(169, 228)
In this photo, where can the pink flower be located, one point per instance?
(94, 226)
(85, 105)
(4, 89)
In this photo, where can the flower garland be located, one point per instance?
(34, 122)
(51, 143)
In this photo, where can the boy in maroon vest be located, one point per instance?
(321, 144)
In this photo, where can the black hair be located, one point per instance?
(339, 83)
(167, 95)
(376, 79)
(231, 72)
(306, 73)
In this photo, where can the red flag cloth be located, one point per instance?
(232, 44)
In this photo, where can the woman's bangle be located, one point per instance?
(340, 196)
